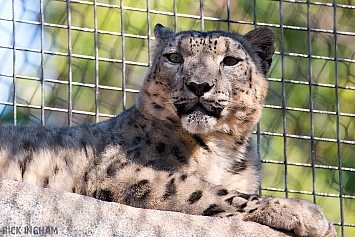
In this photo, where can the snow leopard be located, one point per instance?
(184, 146)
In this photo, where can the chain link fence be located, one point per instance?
(70, 62)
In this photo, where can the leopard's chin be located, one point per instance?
(198, 122)
(197, 119)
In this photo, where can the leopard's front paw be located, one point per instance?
(299, 216)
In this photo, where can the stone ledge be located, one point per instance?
(67, 214)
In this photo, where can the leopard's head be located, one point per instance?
(208, 81)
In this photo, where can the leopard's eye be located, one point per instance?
(174, 57)
(231, 61)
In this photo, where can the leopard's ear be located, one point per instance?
(262, 41)
(162, 33)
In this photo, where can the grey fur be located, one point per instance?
(184, 146)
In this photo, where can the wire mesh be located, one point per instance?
(70, 62)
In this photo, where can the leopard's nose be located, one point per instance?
(199, 89)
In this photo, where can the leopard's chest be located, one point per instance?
(216, 158)
(223, 163)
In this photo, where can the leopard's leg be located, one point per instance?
(177, 191)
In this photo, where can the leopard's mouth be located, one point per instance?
(198, 108)
(198, 118)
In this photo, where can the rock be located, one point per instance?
(27, 209)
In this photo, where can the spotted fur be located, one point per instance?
(184, 146)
